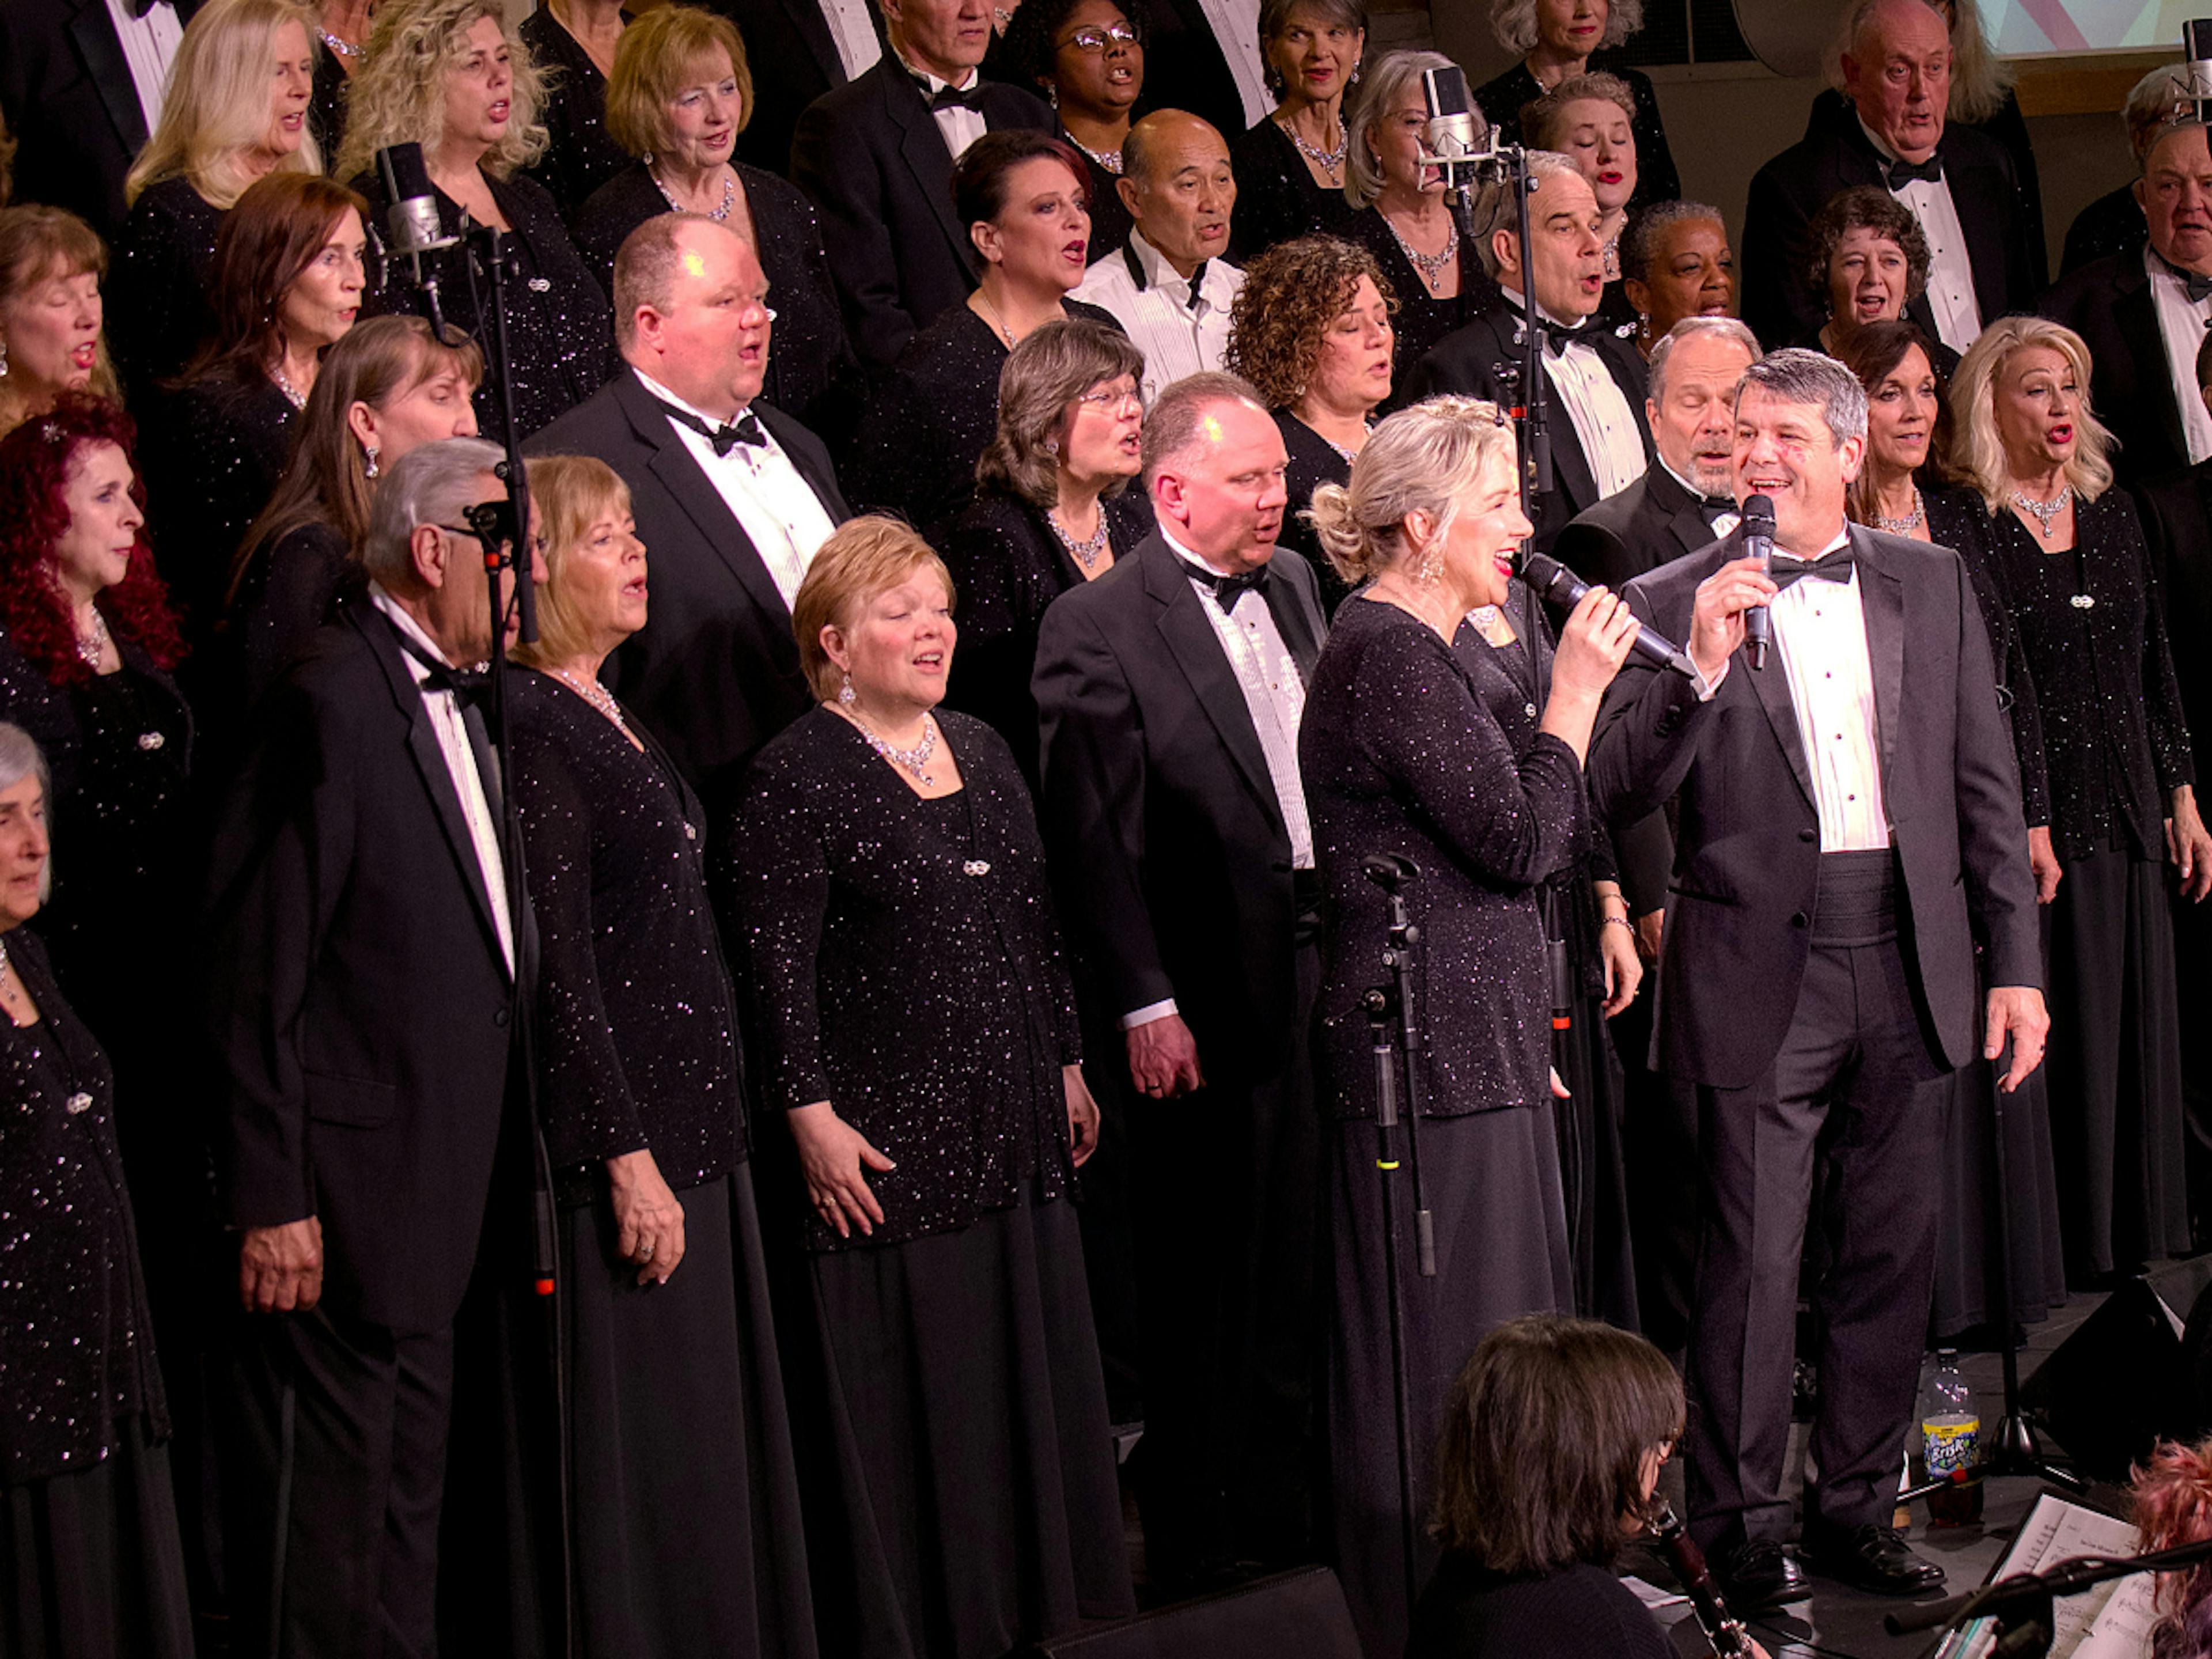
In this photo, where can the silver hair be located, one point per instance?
(1639, 242)
(1798, 376)
(428, 485)
(1979, 78)
(21, 757)
(1495, 209)
(1171, 424)
(1380, 90)
(2157, 101)
(1514, 23)
(1725, 328)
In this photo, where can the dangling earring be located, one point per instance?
(3, 360)
(1052, 94)
(1355, 75)
(370, 452)
(1430, 568)
(1052, 445)
(845, 691)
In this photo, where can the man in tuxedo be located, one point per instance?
(361, 976)
(1168, 693)
(81, 85)
(1849, 828)
(1960, 183)
(798, 49)
(877, 157)
(2143, 314)
(1594, 381)
(732, 497)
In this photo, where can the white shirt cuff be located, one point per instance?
(1147, 1014)
(1707, 687)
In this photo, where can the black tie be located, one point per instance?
(1787, 567)
(1900, 172)
(746, 429)
(466, 685)
(2198, 286)
(1557, 338)
(1227, 590)
(1197, 276)
(951, 97)
(1714, 505)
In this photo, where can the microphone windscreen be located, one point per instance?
(1758, 516)
(400, 168)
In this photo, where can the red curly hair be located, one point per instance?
(2173, 1505)
(36, 460)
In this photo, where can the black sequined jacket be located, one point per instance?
(637, 1036)
(1398, 753)
(211, 464)
(77, 1345)
(899, 958)
(157, 307)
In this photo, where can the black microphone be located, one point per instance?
(1389, 870)
(1555, 582)
(2196, 47)
(1758, 543)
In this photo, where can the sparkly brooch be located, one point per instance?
(50, 431)
(79, 1102)
(977, 867)
(2083, 601)
(149, 741)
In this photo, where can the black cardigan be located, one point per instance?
(157, 305)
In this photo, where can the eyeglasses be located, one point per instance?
(1097, 39)
(1113, 403)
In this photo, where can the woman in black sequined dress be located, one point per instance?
(884, 892)
(2069, 550)
(1021, 196)
(90, 1559)
(683, 1500)
(1290, 165)
(446, 74)
(1401, 752)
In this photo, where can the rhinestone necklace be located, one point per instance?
(2044, 512)
(1431, 265)
(1084, 553)
(344, 48)
(293, 395)
(1329, 162)
(92, 645)
(598, 697)
(718, 214)
(1911, 522)
(913, 759)
(1109, 159)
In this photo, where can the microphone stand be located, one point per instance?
(1393, 1023)
(1532, 413)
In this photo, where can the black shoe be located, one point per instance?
(1758, 1573)
(1874, 1557)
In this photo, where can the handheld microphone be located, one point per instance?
(1759, 541)
(2196, 47)
(1555, 582)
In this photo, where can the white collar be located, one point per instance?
(669, 397)
(381, 597)
(1882, 149)
(1187, 556)
(1158, 272)
(1697, 494)
(937, 83)
(1521, 305)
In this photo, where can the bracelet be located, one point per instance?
(1617, 921)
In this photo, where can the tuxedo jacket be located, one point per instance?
(360, 1008)
(1747, 846)
(1172, 856)
(1185, 67)
(2109, 303)
(872, 158)
(715, 671)
(2177, 518)
(1836, 156)
(70, 104)
(795, 60)
(1466, 362)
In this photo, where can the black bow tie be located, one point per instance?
(1197, 277)
(1557, 338)
(468, 686)
(1900, 172)
(1786, 567)
(746, 429)
(140, 8)
(1227, 590)
(2193, 283)
(951, 97)
(1714, 505)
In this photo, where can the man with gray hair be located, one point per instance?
(1169, 694)
(2113, 223)
(361, 976)
(1850, 827)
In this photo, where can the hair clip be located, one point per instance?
(50, 431)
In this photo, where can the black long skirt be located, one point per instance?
(1593, 1172)
(684, 1502)
(2115, 1065)
(1967, 1228)
(91, 1567)
(949, 1417)
(1492, 1183)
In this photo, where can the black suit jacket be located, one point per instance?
(1748, 841)
(875, 164)
(69, 101)
(360, 1008)
(794, 61)
(1185, 67)
(2109, 303)
(1465, 361)
(1834, 156)
(715, 671)
(1169, 844)
(2176, 520)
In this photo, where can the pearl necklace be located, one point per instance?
(293, 395)
(599, 697)
(914, 759)
(718, 214)
(1329, 162)
(92, 645)
(2044, 512)
(1431, 265)
(1084, 553)
(1911, 522)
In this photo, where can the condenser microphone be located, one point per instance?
(2197, 48)
(413, 220)
(1455, 129)
(1758, 543)
(1553, 581)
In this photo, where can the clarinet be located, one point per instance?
(1722, 1628)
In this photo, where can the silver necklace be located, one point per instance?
(1084, 553)
(1109, 159)
(996, 320)
(92, 645)
(293, 395)
(1329, 162)
(729, 196)
(913, 759)
(1911, 522)
(598, 697)
(2044, 512)
(344, 48)
(1431, 265)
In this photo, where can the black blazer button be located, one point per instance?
(1800, 919)
(499, 1017)
(1808, 835)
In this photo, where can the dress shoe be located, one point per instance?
(1873, 1558)
(1759, 1573)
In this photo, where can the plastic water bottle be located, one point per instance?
(1950, 1429)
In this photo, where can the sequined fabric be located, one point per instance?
(637, 1043)
(76, 1358)
(2114, 741)
(899, 958)
(1399, 754)
(210, 468)
(580, 157)
(157, 289)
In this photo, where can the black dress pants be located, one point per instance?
(1856, 1081)
(338, 1478)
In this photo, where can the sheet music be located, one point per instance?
(2112, 1620)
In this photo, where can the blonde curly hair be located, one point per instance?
(398, 95)
(217, 108)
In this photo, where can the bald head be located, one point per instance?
(1898, 73)
(1177, 185)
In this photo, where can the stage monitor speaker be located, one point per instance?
(1300, 1612)
(2117, 1386)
